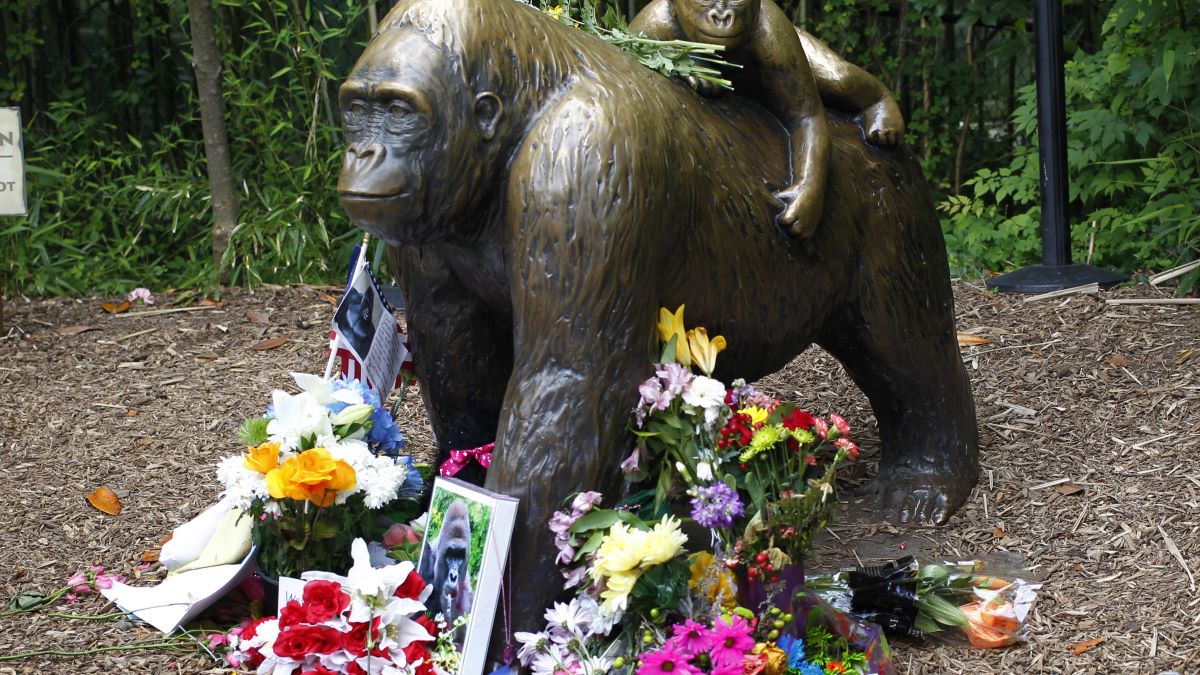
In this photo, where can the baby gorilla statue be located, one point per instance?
(743, 27)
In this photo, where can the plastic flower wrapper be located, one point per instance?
(984, 601)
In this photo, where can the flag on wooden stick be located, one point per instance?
(365, 337)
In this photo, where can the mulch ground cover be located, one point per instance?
(1087, 413)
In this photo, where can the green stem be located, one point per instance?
(88, 617)
(45, 601)
(177, 645)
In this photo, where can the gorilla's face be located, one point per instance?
(415, 138)
(728, 23)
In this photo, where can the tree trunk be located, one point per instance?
(207, 62)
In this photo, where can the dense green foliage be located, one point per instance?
(1133, 153)
(117, 186)
(119, 194)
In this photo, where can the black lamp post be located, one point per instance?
(1056, 271)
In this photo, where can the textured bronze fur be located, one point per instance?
(555, 193)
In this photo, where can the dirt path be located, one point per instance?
(1105, 396)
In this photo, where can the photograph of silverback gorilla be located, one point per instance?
(452, 554)
(357, 316)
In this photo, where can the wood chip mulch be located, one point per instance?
(1088, 416)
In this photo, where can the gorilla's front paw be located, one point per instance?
(920, 496)
(884, 123)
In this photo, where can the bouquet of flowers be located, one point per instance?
(369, 621)
(644, 604)
(318, 467)
(760, 472)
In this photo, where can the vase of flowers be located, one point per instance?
(320, 465)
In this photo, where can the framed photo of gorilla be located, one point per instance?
(463, 557)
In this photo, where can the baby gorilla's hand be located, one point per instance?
(802, 204)
(884, 123)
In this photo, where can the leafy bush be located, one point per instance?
(1133, 154)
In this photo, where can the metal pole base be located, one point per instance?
(1046, 278)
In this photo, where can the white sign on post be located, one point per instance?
(12, 164)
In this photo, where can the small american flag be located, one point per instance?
(351, 369)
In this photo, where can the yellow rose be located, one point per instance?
(313, 467)
(344, 478)
(777, 659)
(281, 482)
(262, 458)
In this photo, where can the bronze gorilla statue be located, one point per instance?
(543, 195)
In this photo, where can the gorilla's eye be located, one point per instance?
(355, 114)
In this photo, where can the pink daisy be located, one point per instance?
(731, 641)
(691, 638)
(665, 661)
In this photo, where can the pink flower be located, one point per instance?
(821, 427)
(846, 444)
(107, 580)
(217, 639)
(399, 534)
(840, 424)
(79, 583)
(632, 468)
(142, 294)
(665, 661)
(560, 524)
(731, 641)
(583, 502)
(691, 638)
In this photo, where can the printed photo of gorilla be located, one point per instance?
(450, 561)
(356, 318)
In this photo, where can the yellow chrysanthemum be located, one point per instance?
(617, 590)
(621, 551)
(662, 543)
(262, 458)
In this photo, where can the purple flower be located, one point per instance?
(632, 466)
(653, 395)
(675, 378)
(584, 501)
(716, 506)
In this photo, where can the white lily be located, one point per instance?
(316, 386)
(372, 591)
(297, 416)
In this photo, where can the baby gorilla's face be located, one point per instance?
(720, 22)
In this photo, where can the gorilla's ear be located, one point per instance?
(488, 111)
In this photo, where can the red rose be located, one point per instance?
(427, 624)
(317, 669)
(298, 642)
(353, 668)
(291, 614)
(324, 600)
(355, 640)
(251, 630)
(415, 651)
(412, 587)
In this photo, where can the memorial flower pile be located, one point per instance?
(316, 466)
(369, 621)
(759, 472)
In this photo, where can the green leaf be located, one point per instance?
(1168, 65)
(941, 610)
(668, 352)
(590, 545)
(599, 519)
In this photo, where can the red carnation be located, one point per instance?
(416, 651)
(317, 669)
(324, 600)
(291, 614)
(799, 419)
(412, 587)
(298, 642)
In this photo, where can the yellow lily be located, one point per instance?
(671, 325)
(704, 351)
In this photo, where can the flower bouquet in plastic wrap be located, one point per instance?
(986, 603)
(321, 467)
